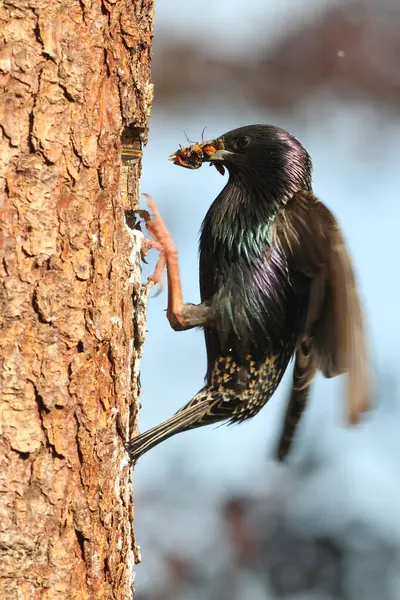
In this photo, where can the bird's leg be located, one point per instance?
(181, 316)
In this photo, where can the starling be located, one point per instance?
(276, 281)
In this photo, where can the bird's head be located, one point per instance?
(265, 155)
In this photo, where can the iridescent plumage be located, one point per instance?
(275, 282)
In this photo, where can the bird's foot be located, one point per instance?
(169, 258)
(148, 244)
(157, 276)
(158, 230)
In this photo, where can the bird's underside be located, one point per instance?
(237, 392)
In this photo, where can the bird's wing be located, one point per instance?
(311, 238)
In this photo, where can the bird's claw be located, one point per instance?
(149, 243)
(158, 230)
(157, 276)
(161, 241)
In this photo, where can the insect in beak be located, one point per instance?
(193, 156)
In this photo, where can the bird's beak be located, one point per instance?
(215, 150)
(219, 155)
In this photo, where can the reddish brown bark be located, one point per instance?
(73, 76)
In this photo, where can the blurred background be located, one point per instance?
(217, 518)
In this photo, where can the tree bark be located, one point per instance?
(74, 77)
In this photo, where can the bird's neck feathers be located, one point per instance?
(243, 212)
(247, 200)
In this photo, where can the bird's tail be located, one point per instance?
(303, 374)
(193, 415)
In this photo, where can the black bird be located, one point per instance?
(276, 281)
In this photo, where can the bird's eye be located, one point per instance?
(242, 141)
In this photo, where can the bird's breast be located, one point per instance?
(255, 296)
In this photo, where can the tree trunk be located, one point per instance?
(74, 77)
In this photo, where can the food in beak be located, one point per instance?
(192, 157)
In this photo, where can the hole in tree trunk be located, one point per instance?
(131, 141)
